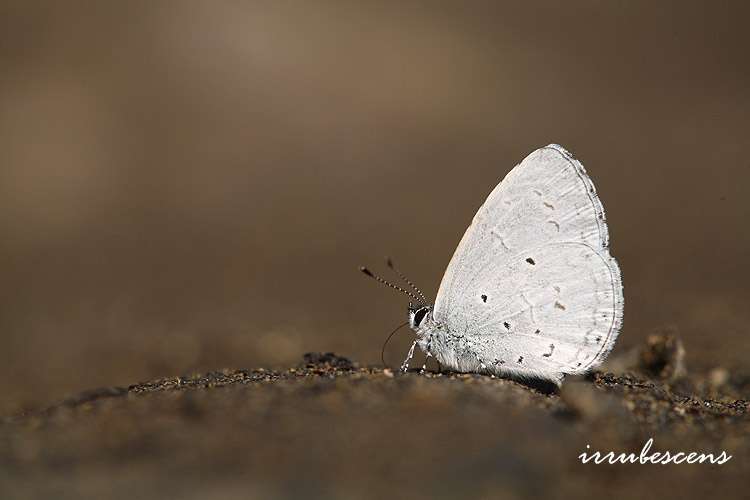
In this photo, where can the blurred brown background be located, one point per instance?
(191, 185)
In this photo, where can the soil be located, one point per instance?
(329, 428)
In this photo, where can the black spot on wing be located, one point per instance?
(484, 298)
(531, 261)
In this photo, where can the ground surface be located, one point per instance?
(331, 429)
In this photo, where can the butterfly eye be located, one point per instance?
(419, 316)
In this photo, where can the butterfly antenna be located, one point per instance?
(388, 283)
(407, 281)
(382, 351)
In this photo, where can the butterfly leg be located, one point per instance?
(405, 364)
(428, 354)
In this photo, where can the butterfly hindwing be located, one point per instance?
(532, 284)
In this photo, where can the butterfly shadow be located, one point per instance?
(540, 385)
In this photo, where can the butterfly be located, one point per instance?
(531, 291)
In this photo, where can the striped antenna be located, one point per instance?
(407, 281)
(387, 283)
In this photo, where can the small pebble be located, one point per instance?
(718, 377)
(664, 356)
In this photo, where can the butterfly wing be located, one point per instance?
(532, 284)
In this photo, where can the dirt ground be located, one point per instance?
(187, 186)
(329, 428)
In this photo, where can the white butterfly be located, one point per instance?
(531, 290)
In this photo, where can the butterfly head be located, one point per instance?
(419, 315)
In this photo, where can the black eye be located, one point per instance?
(419, 316)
